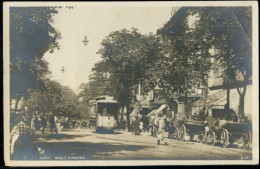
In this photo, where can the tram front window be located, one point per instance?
(107, 109)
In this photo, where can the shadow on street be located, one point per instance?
(87, 150)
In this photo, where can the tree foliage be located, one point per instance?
(55, 98)
(186, 48)
(182, 59)
(31, 35)
(130, 56)
(96, 86)
(229, 30)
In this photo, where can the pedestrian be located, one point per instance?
(58, 125)
(156, 125)
(161, 134)
(21, 138)
(73, 123)
(43, 123)
(151, 124)
(132, 124)
(136, 126)
(37, 121)
(52, 122)
(84, 124)
(62, 122)
(171, 128)
(141, 126)
(77, 124)
(33, 123)
(144, 123)
(206, 131)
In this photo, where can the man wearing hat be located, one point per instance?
(206, 130)
(161, 134)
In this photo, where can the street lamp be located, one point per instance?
(85, 41)
(62, 72)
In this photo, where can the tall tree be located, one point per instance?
(31, 35)
(179, 76)
(128, 56)
(97, 85)
(227, 30)
(230, 32)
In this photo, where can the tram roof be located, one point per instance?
(107, 101)
(103, 101)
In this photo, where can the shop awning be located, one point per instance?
(134, 112)
(152, 112)
(157, 111)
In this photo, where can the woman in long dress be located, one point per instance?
(58, 125)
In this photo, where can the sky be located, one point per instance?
(95, 23)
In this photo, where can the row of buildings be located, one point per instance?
(220, 93)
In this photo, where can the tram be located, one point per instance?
(103, 113)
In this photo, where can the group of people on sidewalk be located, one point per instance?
(157, 125)
(137, 126)
(38, 122)
(57, 123)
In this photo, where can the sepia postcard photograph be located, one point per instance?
(131, 83)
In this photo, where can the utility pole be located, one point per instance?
(228, 84)
(139, 97)
(139, 90)
(185, 96)
(62, 72)
(228, 94)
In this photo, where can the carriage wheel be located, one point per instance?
(225, 138)
(182, 132)
(250, 137)
(247, 140)
(212, 138)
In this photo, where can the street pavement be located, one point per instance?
(120, 145)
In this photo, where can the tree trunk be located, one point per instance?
(16, 103)
(228, 99)
(241, 106)
(127, 119)
(227, 106)
(122, 117)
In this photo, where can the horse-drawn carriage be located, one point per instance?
(225, 129)
(189, 127)
(219, 126)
